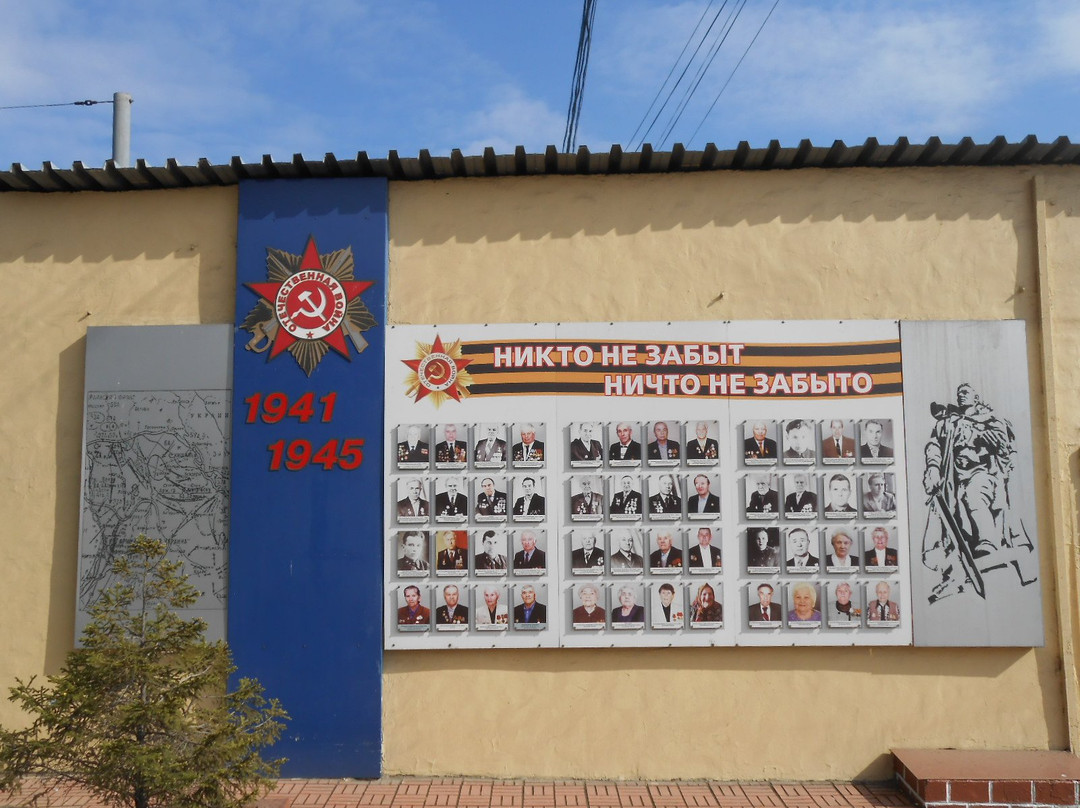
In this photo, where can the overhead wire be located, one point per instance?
(671, 72)
(581, 68)
(714, 50)
(682, 75)
(86, 103)
(732, 74)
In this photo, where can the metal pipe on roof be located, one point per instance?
(121, 130)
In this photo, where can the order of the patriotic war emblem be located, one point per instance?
(309, 304)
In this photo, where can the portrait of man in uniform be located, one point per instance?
(588, 556)
(838, 445)
(665, 443)
(452, 557)
(528, 451)
(763, 547)
(758, 446)
(413, 507)
(703, 447)
(491, 558)
(800, 448)
(413, 451)
(585, 448)
(491, 502)
(414, 552)
(452, 613)
(491, 448)
(626, 450)
(451, 450)
(627, 500)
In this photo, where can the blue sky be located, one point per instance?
(254, 77)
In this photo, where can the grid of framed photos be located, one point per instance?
(818, 525)
(644, 509)
(469, 543)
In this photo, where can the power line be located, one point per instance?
(581, 67)
(86, 103)
(732, 74)
(682, 75)
(667, 78)
(714, 50)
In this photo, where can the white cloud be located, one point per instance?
(512, 119)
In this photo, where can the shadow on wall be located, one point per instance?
(502, 209)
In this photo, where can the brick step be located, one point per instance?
(936, 778)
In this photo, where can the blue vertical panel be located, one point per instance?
(305, 584)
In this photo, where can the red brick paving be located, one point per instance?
(420, 792)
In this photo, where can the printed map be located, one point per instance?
(156, 463)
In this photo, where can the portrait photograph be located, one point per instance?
(881, 549)
(624, 444)
(627, 606)
(586, 449)
(665, 497)
(666, 555)
(452, 614)
(413, 446)
(490, 449)
(837, 442)
(761, 495)
(842, 551)
(587, 554)
(530, 551)
(844, 609)
(706, 604)
(882, 604)
(799, 442)
(625, 558)
(451, 446)
(759, 447)
(803, 604)
(876, 441)
(704, 554)
(530, 504)
(840, 495)
(664, 447)
(702, 496)
(530, 607)
(762, 549)
(802, 554)
(451, 553)
(763, 605)
(451, 498)
(527, 450)
(491, 501)
(491, 611)
(878, 494)
(413, 604)
(586, 497)
(587, 607)
(413, 553)
(625, 500)
(412, 504)
(667, 605)
(489, 552)
(702, 444)
(800, 495)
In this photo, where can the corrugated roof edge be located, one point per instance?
(871, 154)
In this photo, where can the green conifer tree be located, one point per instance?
(141, 713)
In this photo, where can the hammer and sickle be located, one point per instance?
(304, 297)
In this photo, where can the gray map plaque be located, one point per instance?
(156, 424)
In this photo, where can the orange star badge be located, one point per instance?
(438, 372)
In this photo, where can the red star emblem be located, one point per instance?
(439, 371)
(310, 304)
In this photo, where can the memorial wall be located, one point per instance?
(772, 260)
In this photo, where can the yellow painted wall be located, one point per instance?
(914, 244)
(68, 261)
(922, 244)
